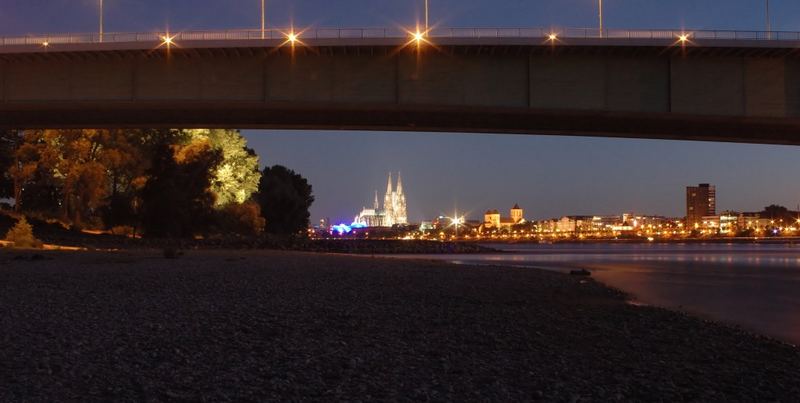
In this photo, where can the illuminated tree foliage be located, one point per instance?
(237, 176)
(285, 198)
(21, 235)
(169, 182)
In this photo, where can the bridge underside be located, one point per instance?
(257, 115)
(716, 92)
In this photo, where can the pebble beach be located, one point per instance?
(263, 325)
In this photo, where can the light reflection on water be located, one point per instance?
(754, 285)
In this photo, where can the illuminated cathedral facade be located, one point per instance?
(394, 209)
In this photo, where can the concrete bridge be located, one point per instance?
(709, 85)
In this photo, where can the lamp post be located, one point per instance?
(426, 17)
(101, 20)
(600, 15)
(769, 20)
(263, 19)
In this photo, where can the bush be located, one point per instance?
(123, 230)
(242, 219)
(21, 236)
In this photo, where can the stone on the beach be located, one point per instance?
(172, 253)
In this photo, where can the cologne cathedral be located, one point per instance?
(393, 211)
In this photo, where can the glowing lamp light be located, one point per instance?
(292, 37)
(552, 37)
(342, 229)
(45, 44)
(683, 38)
(419, 36)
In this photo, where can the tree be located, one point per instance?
(285, 198)
(126, 163)
(176, 200)
(21, 235)
(9, 142)
(237, 176)
(34, 173)
(243, 219)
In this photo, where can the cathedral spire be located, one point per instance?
(375, 205)
(399, 183)
(389, 185)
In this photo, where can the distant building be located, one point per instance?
(325, 223)
(574, 224)
(701, 201)
(394, 211)
(493, 220)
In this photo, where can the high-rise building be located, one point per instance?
(701, 201)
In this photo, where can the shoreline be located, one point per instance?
(700, 241)
(285, 325)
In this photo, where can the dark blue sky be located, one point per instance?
(548, 176)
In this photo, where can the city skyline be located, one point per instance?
(604, 184)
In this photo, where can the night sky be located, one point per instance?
(548, 176)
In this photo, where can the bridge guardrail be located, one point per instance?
(394, 33)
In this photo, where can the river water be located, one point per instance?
(756, 286)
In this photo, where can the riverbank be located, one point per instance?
(222, 325)
(644, 241)
(57, 236)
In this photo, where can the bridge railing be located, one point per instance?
(378, 33)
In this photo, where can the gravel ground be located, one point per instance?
(247, 326)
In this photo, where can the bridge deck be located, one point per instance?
(717, 85)
(780, 41)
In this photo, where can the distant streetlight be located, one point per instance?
(456, 221)
(600, 15)
(101, 20)
(263, 18)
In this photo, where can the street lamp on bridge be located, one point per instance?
(769, 20)
(426, 17)
(101, 20)
(263, 18)
(600, 15)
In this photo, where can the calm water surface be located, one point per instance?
(756, 286)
